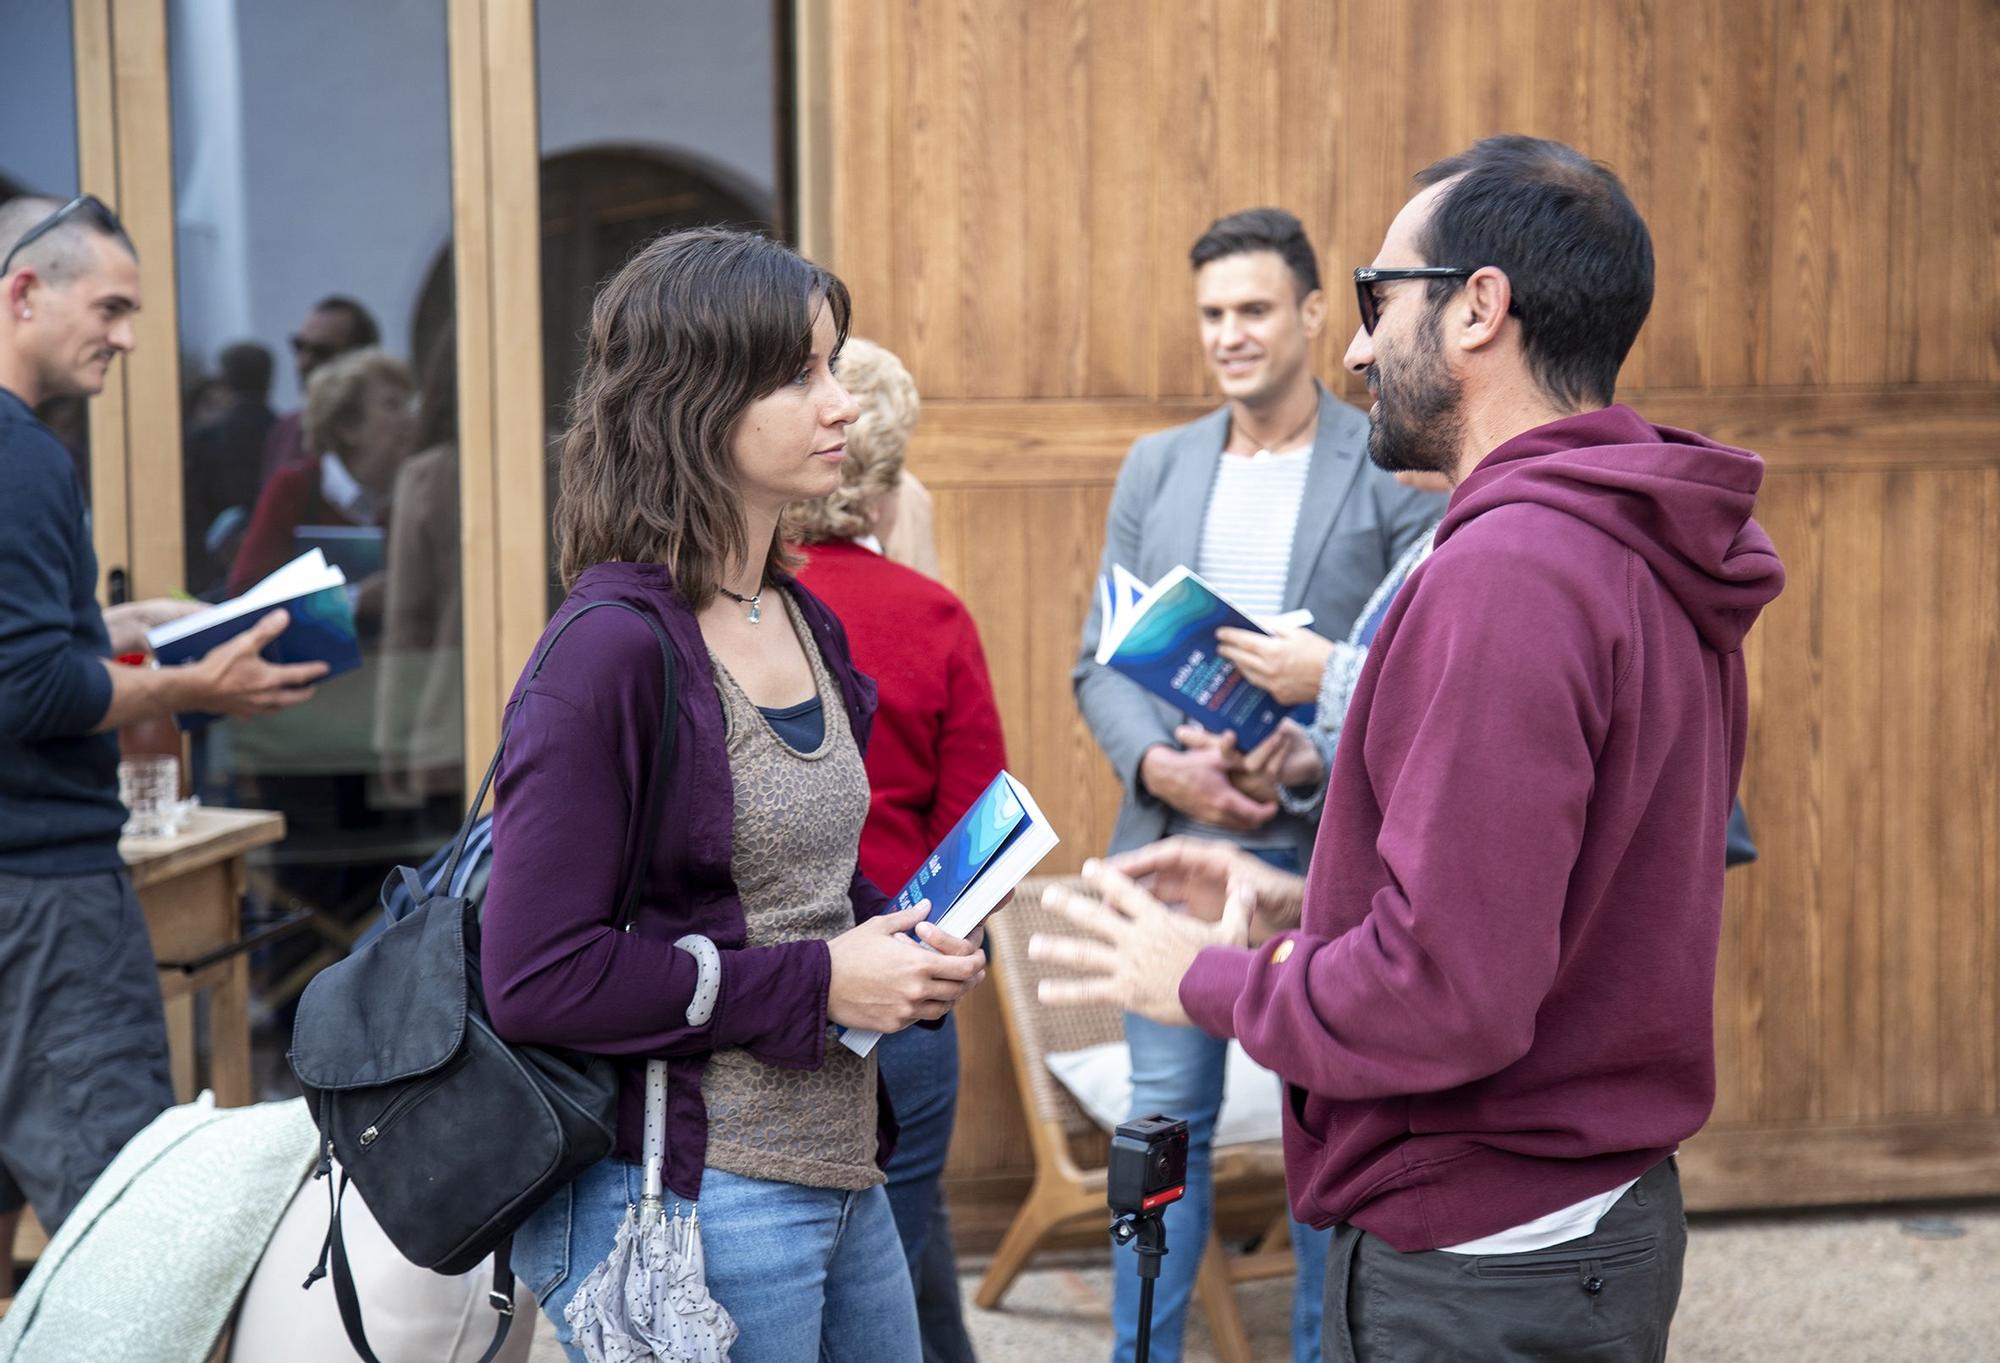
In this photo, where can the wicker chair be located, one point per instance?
(1070, 1149)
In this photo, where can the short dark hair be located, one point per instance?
(361, 329)
(246, 368)
(696, 326)
(1260, 229)
(1575, 252)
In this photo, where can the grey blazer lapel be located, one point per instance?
(1175, 534)
(1340, 448)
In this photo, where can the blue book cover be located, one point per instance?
(996, 842)
(321, 628)
(996, 820)
(1165, 641)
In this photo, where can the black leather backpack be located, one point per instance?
(453, 1136)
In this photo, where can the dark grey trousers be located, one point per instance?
(1608, 1297)
(83, 1041)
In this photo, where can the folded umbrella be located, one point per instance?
(649, 1299)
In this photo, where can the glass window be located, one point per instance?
(38, 153)
(312, 181)
(652, 117)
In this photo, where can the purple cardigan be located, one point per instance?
(566, 805)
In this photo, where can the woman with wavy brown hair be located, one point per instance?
(707, 403)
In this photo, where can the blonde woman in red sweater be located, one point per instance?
(936, 746)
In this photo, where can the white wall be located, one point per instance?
(312, 141)
(38, 98)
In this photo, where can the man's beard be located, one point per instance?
(1419, 417)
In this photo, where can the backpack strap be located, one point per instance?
(663, 757)
(500, 1298)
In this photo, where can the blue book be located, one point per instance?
(1001, 838)
(359, 551)
(1163, 637)
(321, 628)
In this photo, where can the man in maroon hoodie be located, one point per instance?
(1495, 1020)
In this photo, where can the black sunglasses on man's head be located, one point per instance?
(87, 205)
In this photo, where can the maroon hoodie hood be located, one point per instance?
(1678, 500)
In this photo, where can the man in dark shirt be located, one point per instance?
(83, 1049)
(221, 457)
(336, 325)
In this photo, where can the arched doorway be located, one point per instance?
(598, 206)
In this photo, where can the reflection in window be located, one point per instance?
(312, 180)
(38, 154)
(653, 117)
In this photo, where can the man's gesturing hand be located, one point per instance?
(232, 679)
(1201, 875)
(1141, 948)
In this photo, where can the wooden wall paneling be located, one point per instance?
(1855, 173)
(1310, 146)
(1740, 226)
(1786, 1003)
(1964, 769)
(1677, 202)
(1120, 238)
(1851, 880)
(1797, 282)
(1985, 672)
(1054, 224)
(927, 140)
(990, 213)
(1186, 186)
(1974, 317)
(1247, 66)
(1371, 167)
(1726, 1168)
(1921, 171)
(860, 241)
(1910, 699)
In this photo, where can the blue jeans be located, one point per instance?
(807, 1273)
(1178, 1071)
(920, 1067)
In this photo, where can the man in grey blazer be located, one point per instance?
(1273, 500)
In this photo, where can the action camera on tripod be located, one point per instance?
(1148, 1165)
(1148, 1172)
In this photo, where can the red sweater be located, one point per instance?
(936, 743)
(291, 498)
(1500, 1000)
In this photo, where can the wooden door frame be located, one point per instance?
(496, 263)
(125, 156)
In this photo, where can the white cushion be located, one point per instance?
(1100, 1079)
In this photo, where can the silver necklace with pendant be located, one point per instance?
(755, 603)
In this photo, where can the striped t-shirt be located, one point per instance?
(1246, 551)
(1246, 539)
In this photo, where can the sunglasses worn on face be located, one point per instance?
(1367, 277)
(315, 350)
(88, 206)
